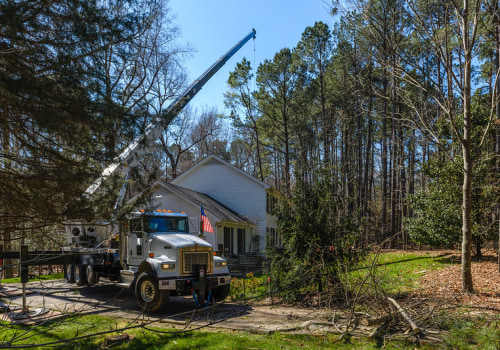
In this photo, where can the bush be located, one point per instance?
(244, 287)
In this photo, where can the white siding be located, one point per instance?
(231, 188)
(171, 201)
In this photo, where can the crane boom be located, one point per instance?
(128, 157)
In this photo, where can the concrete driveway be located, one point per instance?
(105, 299)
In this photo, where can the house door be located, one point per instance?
(228, 241)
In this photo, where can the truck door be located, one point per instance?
(136, 248)
(135, 243)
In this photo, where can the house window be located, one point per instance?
(274, 239)
(271, 203)
(271, 236)
(241, 241)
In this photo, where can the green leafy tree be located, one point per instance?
(314, 52)
(451, 32)
(437, 219)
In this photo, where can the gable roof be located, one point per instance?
(209, 204)
(215, 158)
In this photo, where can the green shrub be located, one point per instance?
(244, 287)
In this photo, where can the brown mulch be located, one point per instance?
(446, 283)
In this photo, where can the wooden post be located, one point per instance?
(24, 274)
(1, 267)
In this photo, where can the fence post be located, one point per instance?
(24, 274)
(1, 267)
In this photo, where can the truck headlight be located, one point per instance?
(167, 266)
(220, 263)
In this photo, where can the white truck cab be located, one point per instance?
(154, 253)
(163, 258)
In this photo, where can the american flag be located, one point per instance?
(207, 227)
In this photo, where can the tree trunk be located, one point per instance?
(259, 157)
(367, 159)
(467, 285)
(394, 152)
(496, 17)
(5, 226)
(384, 164)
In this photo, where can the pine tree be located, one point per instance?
(49, 120)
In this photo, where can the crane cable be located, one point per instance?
(255, 67)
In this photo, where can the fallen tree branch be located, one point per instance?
(413, 326)
(437, 306)
(377, 331)
(371, 321)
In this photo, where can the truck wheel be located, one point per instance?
(148, 294)
(69, 274)
(91, 275)
(80, 279)
(221, 293)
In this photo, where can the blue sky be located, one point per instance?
(212, 27)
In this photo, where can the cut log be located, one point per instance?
(371, 321)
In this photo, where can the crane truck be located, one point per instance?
(151, 252)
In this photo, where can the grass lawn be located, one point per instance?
(399, 272)
(154, 337)
(55, 276)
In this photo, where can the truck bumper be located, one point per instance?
(185, 284)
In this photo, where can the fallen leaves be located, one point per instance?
(448, 281)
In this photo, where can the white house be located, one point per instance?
(235, 203)
(168, 196)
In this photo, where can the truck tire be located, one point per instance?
(80, 279)
(91, 275)
(220, 293)
(69, 273)
(149, 296)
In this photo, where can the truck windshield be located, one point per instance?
(154, 224)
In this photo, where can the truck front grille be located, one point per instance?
(191, 259)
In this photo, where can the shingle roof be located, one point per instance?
(209, 204)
